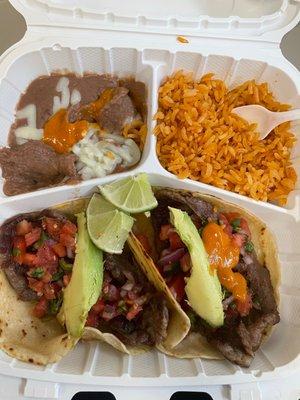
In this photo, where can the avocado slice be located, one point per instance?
(85, 285)
(203, 288)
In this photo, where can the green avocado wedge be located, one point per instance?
(85, 285)
(203, 288)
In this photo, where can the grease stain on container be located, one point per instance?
(182, 39)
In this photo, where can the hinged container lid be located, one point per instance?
(266, 20)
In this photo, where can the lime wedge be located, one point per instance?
(108, 227)
(132, 194)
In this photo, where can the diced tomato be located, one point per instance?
(46, 256)
(46, 278)
(56, 287)
(59, 249)
(29, 259)
(144, 242)
(243, 223)
(164, 231)
(33, 236)
(49, 292)
(99, 306)
(245, 227)
(36, 285)
(224, 221)
(19, 249)
(69, 228)
(177, 286)
(244, 307)
(231, 216)
(52, 226)
(185, 262)
(175, 241)
(92, 319)
(66, 279)
(67, 240)
(23, 227)
(238, 239)
(40, 309)
(134, 311)
(131, 296)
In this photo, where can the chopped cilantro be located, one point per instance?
(249, 247)
(236, 224)
(193, 318)
(256, 302)
(57, 276)
(41, 240)
(225, 293)
(37, 273)
(54, 305)
(16, 252)
(65, 266)
(122, 306)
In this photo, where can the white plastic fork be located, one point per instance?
(266, 120)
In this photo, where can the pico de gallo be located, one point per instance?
(45, 249)
(224, 240)
(129, 305)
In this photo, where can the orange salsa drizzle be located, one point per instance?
(61, 134)
(224, 256)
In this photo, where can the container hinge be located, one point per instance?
(245, 391)
(41, 389)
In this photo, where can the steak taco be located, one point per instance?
(57, 287)
(37, 255)
(220, 264)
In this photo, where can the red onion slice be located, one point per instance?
(171, 257)
(128, 286)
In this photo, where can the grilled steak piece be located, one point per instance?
(34, 165)
(137, 93)
(240, 337)
(14, 272)
(155, 318)
(199, 210)
(122, 266)
(232, 352)
(117, 112)
(259, 281)
(112, 116)
(149, 327)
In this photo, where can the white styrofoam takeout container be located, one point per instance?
(237, 40)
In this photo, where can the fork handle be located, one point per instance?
(288, 116)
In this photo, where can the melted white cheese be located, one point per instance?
(101, 155)
(29, 132)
